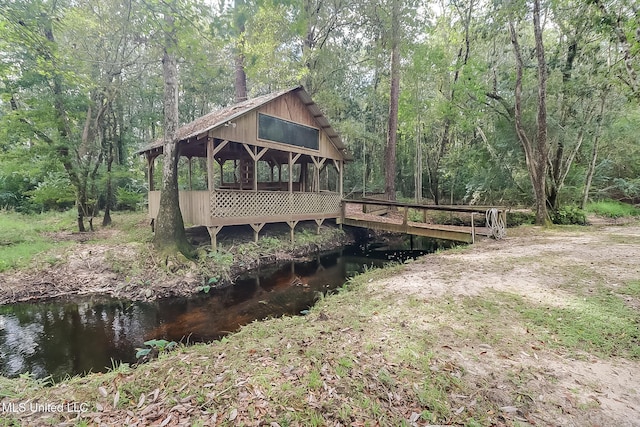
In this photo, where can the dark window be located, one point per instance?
(278, 130)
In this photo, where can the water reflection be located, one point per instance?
(68, 337)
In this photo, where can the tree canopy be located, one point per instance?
(532, 103)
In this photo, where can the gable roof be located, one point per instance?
(220, 117)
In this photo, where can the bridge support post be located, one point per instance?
(213, 233)
(256, 230)
(473, 229)
(292, 225)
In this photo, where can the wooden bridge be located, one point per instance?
(394, 216)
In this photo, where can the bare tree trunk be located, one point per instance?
(170, 236)
(536, 155)
(240, 82)
(392, 129)
(418, 162)
(594, 153)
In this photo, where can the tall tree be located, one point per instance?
(240, 82)
(394, 96)
(170, 236)
(536, 150)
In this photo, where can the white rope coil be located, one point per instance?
(495, 224)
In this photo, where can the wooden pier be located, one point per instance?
(394, 216)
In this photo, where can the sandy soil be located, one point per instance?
(554, 387)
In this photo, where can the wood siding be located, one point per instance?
(194, 206)
(288, 107)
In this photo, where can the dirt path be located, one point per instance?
(535, 384)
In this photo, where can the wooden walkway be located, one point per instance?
(366, 214)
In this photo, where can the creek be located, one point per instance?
(74, 336)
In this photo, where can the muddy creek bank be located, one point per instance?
(70, 336)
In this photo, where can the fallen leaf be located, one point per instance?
(233, 415)
(116, 399)
(141, 401)
(166, 421)
(102, 391)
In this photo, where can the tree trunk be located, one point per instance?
(170, 237)
(106, 219)
(594, 153)
(392, 129)
(240, 82)
(535, 155)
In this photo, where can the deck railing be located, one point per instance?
(228, 207)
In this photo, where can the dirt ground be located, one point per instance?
(94, 264)
(557, 387)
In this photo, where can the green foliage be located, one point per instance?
(569, 215)
(129, 199)
(612, 209)
(54, 192)
(160, 346)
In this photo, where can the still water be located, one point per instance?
(74, 336)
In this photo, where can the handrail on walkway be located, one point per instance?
(496, 216)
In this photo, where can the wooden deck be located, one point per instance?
(354, 215)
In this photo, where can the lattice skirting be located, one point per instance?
(238, 204)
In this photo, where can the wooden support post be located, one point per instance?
(336, 164)
(221, 163)
(292, 160)
(424, 216)
(319, 223)
(210, 170)
(292, 225)
(235, 171)
(256, 230)
(405, 215)
(150, 166)
(290, 174)
(316, 175)
(213, 233)
(255, 173)
(190, 167)
(473, 229)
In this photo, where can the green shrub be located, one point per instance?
(54, 193)
(612, 209)
(128, 200)
(569, 215)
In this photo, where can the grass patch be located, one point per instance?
(22, 236)
(632, 289)
(612, 209)
(601, 324)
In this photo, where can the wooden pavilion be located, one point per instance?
(274, 158)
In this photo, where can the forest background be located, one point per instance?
(527, 103)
